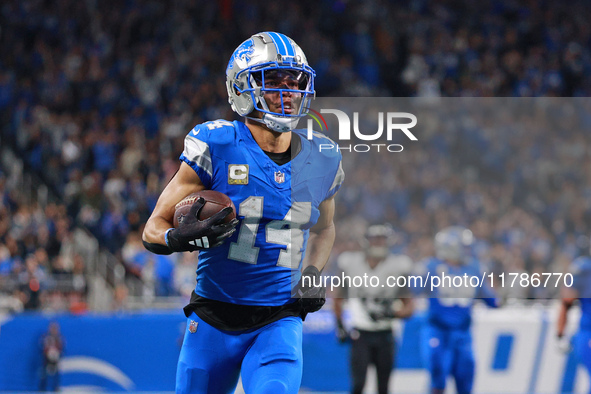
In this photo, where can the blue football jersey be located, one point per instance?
(450, 307)
(581, 271)
(276, 205)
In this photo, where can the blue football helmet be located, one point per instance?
(453, 243)
(265, 63)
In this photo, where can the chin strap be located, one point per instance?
(280, 123)
(275, 122)
(255, 119)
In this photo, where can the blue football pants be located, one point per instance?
(449, 352)
(269, 359)
(582, 348)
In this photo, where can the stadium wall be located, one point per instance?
(515, 352)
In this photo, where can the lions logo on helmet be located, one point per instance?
(242, 54)
(451, 243)
(254, 63)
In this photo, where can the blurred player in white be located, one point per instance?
(581, 290)
(373, 308)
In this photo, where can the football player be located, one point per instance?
(373, 308)
(447, 339)
(254, 285)
(581, 290)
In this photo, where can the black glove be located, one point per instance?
(311, 297)
(342, 334)
(194, 234)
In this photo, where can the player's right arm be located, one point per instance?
(406, 310)
(578, 269)
(569, 296)
(183, 183)
(161, 238)
(341, 332)
(340, 295)
(195, 174)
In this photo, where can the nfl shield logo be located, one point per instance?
(279, 177)
(193, 326)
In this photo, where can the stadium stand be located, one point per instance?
(95, 98)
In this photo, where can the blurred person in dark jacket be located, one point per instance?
(52, 344)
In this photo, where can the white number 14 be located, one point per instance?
(285, 232)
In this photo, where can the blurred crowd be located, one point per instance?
(40, 263)
(96, 97)
(516, 171)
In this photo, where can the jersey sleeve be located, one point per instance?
(197, 154)
(343, 262)
(405, 264)
(327, 162)
(339, 178)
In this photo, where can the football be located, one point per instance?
(214, 202)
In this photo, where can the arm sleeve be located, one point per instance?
(488, 296)
(156, 248)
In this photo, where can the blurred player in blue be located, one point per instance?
(447, 339)
(245, 315)
(581, 290)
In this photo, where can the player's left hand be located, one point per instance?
(341, 332)
(195, 234)
(311, 297)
